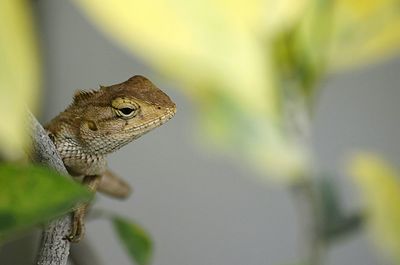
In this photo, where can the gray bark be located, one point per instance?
(54, 248)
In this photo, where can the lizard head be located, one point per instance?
(115, 115)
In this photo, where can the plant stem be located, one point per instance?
(308, 209)
(298, 126)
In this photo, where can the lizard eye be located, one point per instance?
(125, 108)
(127, 112)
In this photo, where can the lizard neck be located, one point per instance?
(70, 148)
(78, 159)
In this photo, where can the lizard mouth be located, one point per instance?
(155, 122)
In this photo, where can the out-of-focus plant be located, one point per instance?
(253, 69)
(30, 194)
(251, 65)
(364, 32)
(220, 54)
(380, 188)
(19, 76)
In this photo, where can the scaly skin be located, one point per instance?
(100, 122)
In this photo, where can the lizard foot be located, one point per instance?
(77, 226)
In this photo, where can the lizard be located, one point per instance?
(99, 122)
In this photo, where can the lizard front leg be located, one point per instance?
(78, 225)
(114, 186)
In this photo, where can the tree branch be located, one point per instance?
(54, 249)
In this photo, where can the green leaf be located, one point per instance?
(331, 208)
(301, 51)
(342, 227)
(336, 223)
(31, 195)
(136, 240)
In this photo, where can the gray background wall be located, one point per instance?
(200, 207)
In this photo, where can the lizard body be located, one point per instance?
(99, 122)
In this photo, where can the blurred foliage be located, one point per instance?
(364, 31)
(135, 240)
(219, 53)
(253, 69)
(335, 222)
(380, 187)
(31, 195)
(252, 66)
(19, 75)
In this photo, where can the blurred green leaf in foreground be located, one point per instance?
(251, 66)
(31, 195)
(19, 76)
(380, 188)
(135, 240)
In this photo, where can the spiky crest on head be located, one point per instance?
(82, 96)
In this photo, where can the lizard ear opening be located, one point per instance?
(91, 125)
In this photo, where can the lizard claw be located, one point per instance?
(77, 226)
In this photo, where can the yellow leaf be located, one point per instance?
(218, 51)
(364, 32)
(380, 189)
(18, 75)
(283, 14)
(251, 137)
(285, 159)
(201, 43)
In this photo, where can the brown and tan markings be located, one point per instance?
(99, 122)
